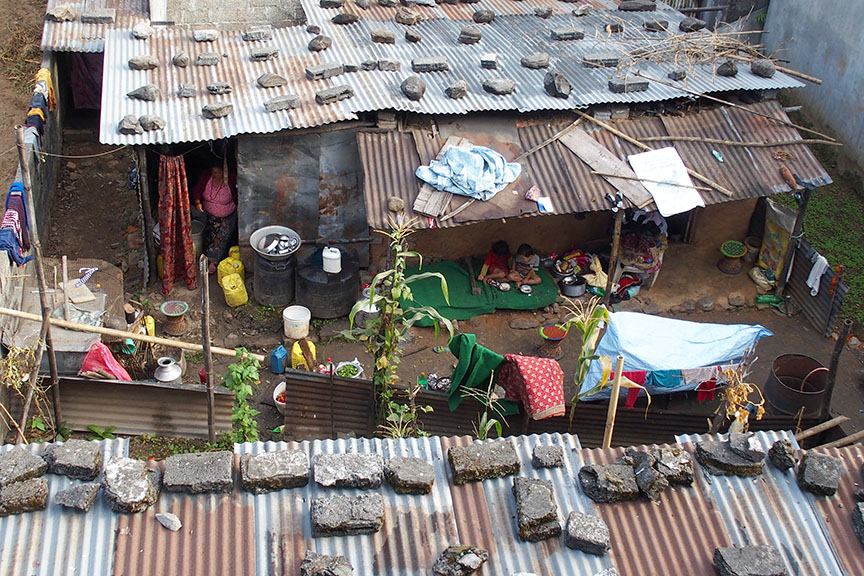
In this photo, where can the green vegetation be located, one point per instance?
(834, 226)
(240, 378)
(100, 433)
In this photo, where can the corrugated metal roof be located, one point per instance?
(836, 512)
(389, 162)
(510, 36)
(74, 36)
(771, 509)
(59, 541)
(650, 539)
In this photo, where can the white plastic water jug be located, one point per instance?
(332, 260)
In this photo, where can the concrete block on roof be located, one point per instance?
(535, 60)
(345, 18)
(588, 533)
(600, 60)
(782, 455)
(656, 25)
(74, 458)
(383, 36)
(209, 35)
(674, 463)
(690, 24)
(481, 461)
(409, 475)
(763, 67)
(637, 6)
(567, 34)
(129, 125)
(608, 483)
(677, 75)
(99, 16)
(331, 3)
(19, 464)
(264, 54)
(543, 12)
(199, 473)
(181, 59)
(148, 93)
(78, 497)
(650, 482)
(271, 471)
(489, 61)
(389, 65)
(413, 36)
(208, 59)
(324, 70)
(547, 457)
(747, 446)
(350, 68)
(499, 86)
(368, 65)
(749, 561)
(819, 473)
(313, 29)
(343, 515)
(718, 459)
(218, 88)
(430, 64)
(406, 16)
(130, 485)
(536, 510)
(143, 62)
(483, 16)
(628, 84)
(470, 35)
(349, 470)
(388, 3)
(323, 565)
(27, 496)
(456, 89)
(320, 43)
(413, 88)
(60, 13)
(258, 34)
(186, 91)
(458, 560)
(858, 521)
(270, 80)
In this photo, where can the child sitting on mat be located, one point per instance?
(497, 263)
(525, 265)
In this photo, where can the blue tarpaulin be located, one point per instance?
(473, 171)
(660, 345)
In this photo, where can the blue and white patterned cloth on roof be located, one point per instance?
(473, 171)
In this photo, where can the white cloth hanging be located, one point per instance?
(820, 266)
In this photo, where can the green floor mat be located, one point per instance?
(463, 304)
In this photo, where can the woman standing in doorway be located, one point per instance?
(215, 194)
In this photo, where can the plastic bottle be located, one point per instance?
(422, 380)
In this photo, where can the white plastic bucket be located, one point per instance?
(332, 260)
(278, 390)
(295, 322)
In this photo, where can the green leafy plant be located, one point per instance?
(401, 420)
(589, 319)
(242, 377)
(263, 312)
(391, 294)
(64, 432)
(100, 433)
(37, 423)
(486, 422)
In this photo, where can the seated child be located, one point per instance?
(525, 265)
(497, 263)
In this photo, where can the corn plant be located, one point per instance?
(391, 294)
(486, 423)
(241, 378)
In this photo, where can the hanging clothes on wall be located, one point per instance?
(14, 236)
(175, 224)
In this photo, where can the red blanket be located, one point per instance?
(536, 382)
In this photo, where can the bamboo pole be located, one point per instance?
(124, 334)
(734, 105)
(203, 267)
(647, 148)
(819, 428)
(783, 69)
(66, 310)
(613, 402)
(613, 255)
(733, 143)
(548, 141)
(637, 179)
(144, 196)
(45, 340)
(845, 441)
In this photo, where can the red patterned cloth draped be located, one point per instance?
(175, 224)
(537, 382)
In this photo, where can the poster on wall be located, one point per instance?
(779, 222)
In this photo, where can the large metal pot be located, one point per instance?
(573, 286)
(796, 381)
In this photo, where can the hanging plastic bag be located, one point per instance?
(100, 363)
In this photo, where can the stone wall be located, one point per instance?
(246, 12)
(823, 39)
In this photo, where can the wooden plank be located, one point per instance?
(600, 159)
(432, 202)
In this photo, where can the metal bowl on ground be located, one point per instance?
(263, 237)
(526, 289)
(504, 286)
(573, 286)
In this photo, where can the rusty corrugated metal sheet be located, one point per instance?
(143, 407)
(74, 36)
(771, 509)
(677, 536)
(59, 541)
(318, 407)
(823, 309)
(217, 537)
(836, 512)
(184, 121)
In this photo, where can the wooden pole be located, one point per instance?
(45, 339)
(793, 243)
(643, 146)
(203, 266)
(734, 105)
(637, 179)
(743, 144)
(613, 402)
(124, 334)
(66, 311)
(613, 256)
(144, 198)
(845, 441)
(831, 380)
(819, 428)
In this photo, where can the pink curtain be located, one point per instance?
(175, 224)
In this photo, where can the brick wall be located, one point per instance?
(247, 12)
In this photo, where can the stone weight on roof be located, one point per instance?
(271, 471)
(18, 465)
(362, 471)
(74, 458)
(27, 496)
(199, 473)
(78, 497)
(343, 515)
(130, 486)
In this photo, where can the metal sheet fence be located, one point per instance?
(823, 309)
